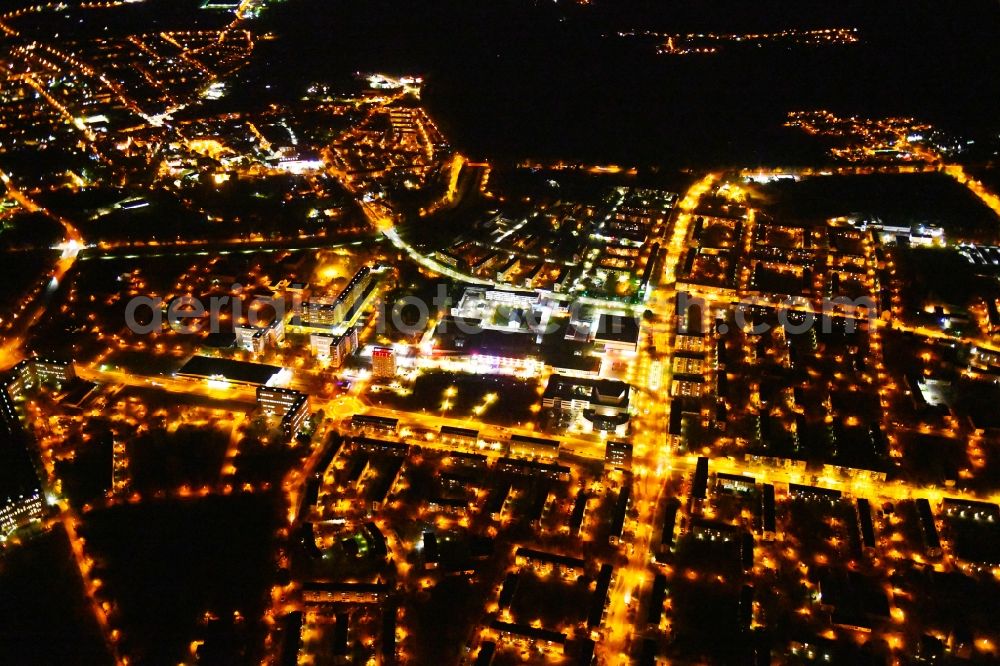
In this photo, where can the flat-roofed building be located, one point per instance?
(616, 332)
(544, 561)
(451, 259)
(511, 297)
(20, 488)
(699, 482)
(714, 530)
(735, 483)
(257, 338)
(603, 404)
(450, 505)
(382, 447)
(527, 446)
(684, 365)
(18, 509)
(276, 401)
(866, 526)
(654, 612)
(466, 460)
(384, 362)
(971, 509)
(620, 512)
(292, 407)
(928, 527)
(224, 369)
(389, 618)
(293, 421)
(334, 347)
(687, 387)
(251, 338)
(618, 455)
(599, 604)
(579, 512)
(533, 468)
(28, 375)
(486, 653)
(291, 624)
(692, 344)
(369, 422)
(52, 370)
(388, 474)
(321, 312)
(813, 493)
(496, 502)
(668, 526)
(508, 590)
(317, 592)
(528, 635)
(298, 293)
(769, 526)
(460, 436)
(376, 540)
(333, 312)
(13, 386)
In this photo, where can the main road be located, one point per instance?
(12, 348)
(653, 461)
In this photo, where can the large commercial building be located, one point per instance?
(501, 309)
(229, 371)
(603, 404)
(616, 332)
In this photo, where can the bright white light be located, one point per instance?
(282, 377)
(218, 383)
(69, 248)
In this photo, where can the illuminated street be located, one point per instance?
(590, 333)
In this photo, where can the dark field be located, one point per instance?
(898, 199)
(513, 404)
(44, 614)
(165, 565)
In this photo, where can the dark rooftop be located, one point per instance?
(242, 372)
(616, 328)
(542, 556)
(528, 631)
